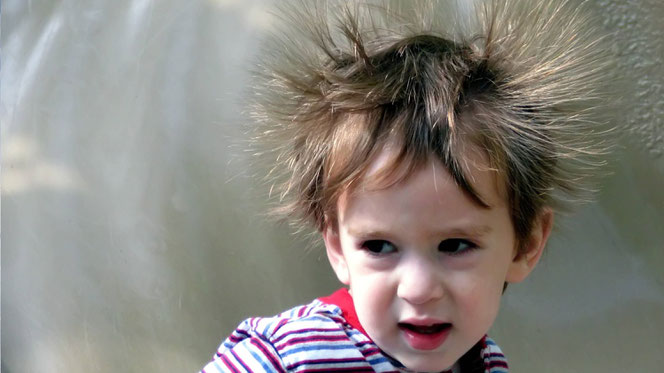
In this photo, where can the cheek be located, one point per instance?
(370, 292)
(373, 298)
(478, 296)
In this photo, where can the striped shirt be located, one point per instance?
(322, 336)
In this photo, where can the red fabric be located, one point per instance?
(342, 299)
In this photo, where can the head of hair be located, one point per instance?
(518, 81)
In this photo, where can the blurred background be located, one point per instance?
(132, 240)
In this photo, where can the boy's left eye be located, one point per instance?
(455, 246)
(378, 246)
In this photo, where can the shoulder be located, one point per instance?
(315, 336)
(315, 317)
(301, 335)
(494, 359)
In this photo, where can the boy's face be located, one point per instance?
(426, 264)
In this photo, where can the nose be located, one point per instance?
(420, 281)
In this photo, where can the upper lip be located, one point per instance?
(422, 321)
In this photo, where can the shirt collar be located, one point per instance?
(342, 299)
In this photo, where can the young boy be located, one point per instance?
(431, 161)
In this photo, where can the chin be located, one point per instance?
(426, 365)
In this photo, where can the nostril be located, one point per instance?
(420, 295)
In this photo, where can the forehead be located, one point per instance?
(423, 207)
(429, 196)
(385, 172)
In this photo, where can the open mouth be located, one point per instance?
(425, 329)
(425, 337)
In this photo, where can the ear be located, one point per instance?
(335, 254)
(524, 262)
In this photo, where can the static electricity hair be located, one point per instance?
(518, 80)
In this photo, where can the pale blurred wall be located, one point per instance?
(131, 239)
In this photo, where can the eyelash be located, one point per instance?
(375, 247)
(470, 246)
(371, 244)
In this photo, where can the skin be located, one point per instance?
(422, 249)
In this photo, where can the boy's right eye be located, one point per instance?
(378, 247)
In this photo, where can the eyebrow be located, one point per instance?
(470, 231)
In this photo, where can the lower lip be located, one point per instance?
(429, 341)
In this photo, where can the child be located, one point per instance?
(431, 160)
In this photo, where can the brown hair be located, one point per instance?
(338, 82)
